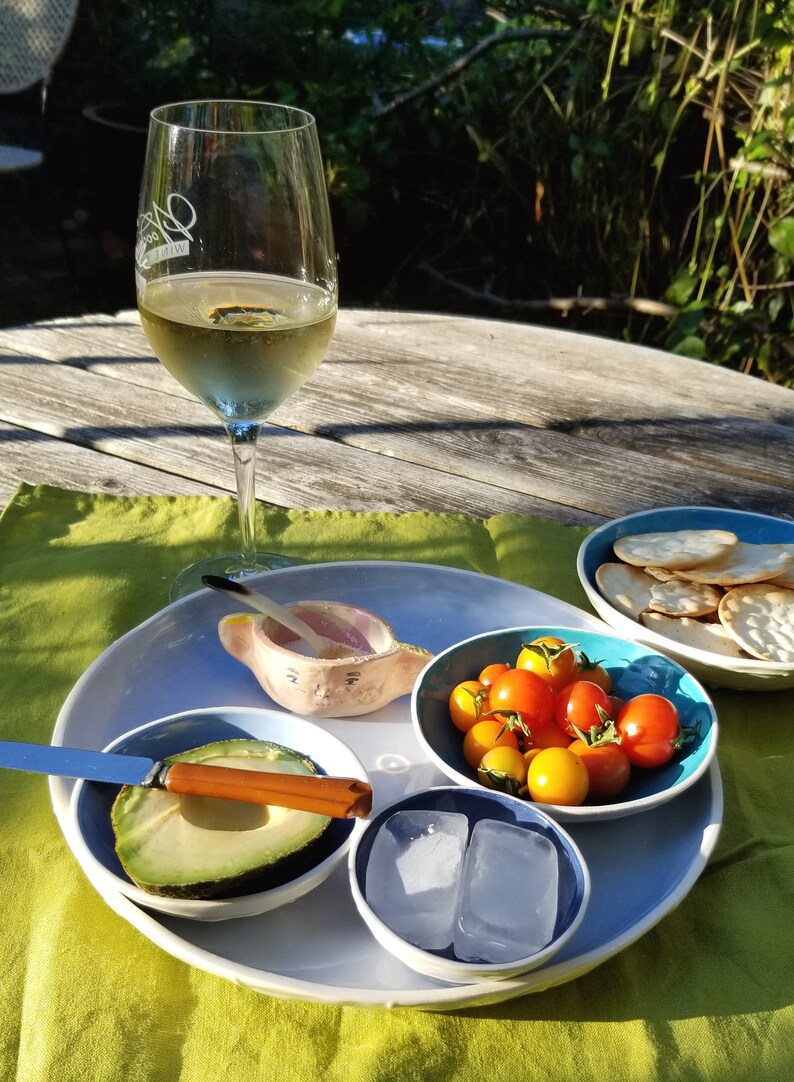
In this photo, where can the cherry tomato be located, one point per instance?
(526, 693)
(616, 704)
(530, 755)
(492, 672)
(504, 769)
(608, 768)
(558, 776)
(578, 704)
(593, 671)
(648, 727)
(467, 703)
(550, 658)
(483, 736)
(547, 736)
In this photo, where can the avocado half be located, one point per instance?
(206, 847)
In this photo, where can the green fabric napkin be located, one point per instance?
(707, 994)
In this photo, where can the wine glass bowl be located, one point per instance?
(236, 273)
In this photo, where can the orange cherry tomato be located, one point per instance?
(530, 755)
(491, 673)
(468, 701)
(483, 736)
(593, 671)
(550, 658)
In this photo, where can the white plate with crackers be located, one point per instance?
(710, 587)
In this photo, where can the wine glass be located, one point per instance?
(235, 275)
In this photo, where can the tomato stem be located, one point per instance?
(599, 735)
(548, 653)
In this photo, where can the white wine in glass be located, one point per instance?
(236, 275)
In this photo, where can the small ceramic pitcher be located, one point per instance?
(375, 670)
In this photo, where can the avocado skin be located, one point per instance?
(266, 876)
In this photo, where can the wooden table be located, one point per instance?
(410, 411)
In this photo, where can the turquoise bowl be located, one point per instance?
(635, 670)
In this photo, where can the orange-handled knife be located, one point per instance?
(341, 798)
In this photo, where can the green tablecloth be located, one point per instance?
(707, 994)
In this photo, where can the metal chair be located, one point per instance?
(33, 34)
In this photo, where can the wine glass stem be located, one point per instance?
(244, 439)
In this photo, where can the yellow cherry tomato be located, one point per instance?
(504, 769)
(550, 658)
(468, 701)
(558, 776)
(483, 736)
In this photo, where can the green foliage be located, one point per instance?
(617, 149)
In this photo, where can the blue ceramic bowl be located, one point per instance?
(743, 674)
(90, 833)
(634, 669)
(475, 804)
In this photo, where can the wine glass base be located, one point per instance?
(229, 566)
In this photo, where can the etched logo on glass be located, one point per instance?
(164, 232)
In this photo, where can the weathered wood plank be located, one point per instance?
(180, 436)
(516, 464)
(597, 390)
(36, 457)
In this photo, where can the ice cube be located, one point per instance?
(507, 903)
(413, 873)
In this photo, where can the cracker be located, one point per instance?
(742, 563)
(627, 588)
(660, 573)
(677, 597)
(675, 550)
(760, 617)
(693, 633)
(787, 578)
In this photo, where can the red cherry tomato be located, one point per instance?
(524, 692)
(547, 736)
(491, 673)
(578, 704)
(648, 727)
(607, 766)
(616, 704)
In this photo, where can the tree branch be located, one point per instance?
(465, 60)
(645, 305)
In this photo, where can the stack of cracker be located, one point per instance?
(708, 590)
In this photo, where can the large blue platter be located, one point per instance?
(318, 947)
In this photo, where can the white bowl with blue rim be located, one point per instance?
(90, 833)
(749, 674)
(570, 901)
(634, 669)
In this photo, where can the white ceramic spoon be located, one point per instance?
(316, 643)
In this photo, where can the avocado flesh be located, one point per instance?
(218, 847)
